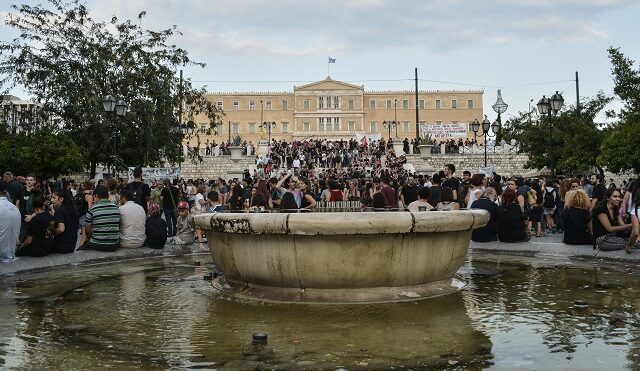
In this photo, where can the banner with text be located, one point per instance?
(445, 131)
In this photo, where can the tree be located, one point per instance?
(67, 61)
(575, 138)
(620, 150)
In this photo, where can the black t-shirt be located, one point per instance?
(488, 232)
(598, 229)
(156, 231)
(598, 192)
(143, 188)
(65, 242)
(26, 201)
(575, 222)
(434, 197)
(410, 194)
(15, 190)
(167, 195)
(42, 228)
(509, 224)
(454, 184)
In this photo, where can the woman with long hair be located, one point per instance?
(576, 218)
(509, 219)
(608, 226)
(236, 200)
(446, 200)
(307, 201)
(66, 222)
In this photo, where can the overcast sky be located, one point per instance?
(528, 48)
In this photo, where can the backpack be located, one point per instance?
(138, 195)
(549, 200)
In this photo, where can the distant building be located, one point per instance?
(19, 112)
(330, 109)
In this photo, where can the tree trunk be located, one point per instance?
(92, 170)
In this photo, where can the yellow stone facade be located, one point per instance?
(337, 110)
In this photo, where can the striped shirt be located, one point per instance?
(104, 218)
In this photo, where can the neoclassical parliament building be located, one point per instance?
(331, 109)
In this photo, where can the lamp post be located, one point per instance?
(119, 108)
(390, 125)
(486, 126)
(549, 107)
(268, 126)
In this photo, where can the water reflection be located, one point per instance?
(160, 314)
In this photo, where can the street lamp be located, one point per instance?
(391, 125)
(486, 126)
(549, 107)
(119, 108)
(268, 126)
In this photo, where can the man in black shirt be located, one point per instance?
(436, 190)
(599, 189)
(15, 189)
(451, 181)
(409, 192)
(40, 231)
(170, 198)
(140, 190)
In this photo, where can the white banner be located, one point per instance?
(154, 173)
(445, 131)
(367, 139)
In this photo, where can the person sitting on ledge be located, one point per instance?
(102, 223)
(447, 202)
(10, 220)
(185, 234)
(40, 231)
(155, 228)
(576, 218)
(132, 221)
(66, 221)
(509, 223)
(422, 203)
(288, 203)
(486, 201)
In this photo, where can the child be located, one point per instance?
(156, 228)
(185, 234)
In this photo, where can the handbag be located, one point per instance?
(610, 242)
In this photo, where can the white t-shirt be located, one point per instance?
(132, 225)
(198, 201)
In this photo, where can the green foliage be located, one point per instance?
(43, 153)
(67, 61)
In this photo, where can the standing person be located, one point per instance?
(199, 204)
(169, 197)
(132, 222)
(474, 190)
(102, 224)
(409, 191)
(156, 193)
(40, 231)
(10, 220)
(112, 186)
(486, 201)
(436, 190)
(388, 192)
(14, 189)
(30, 190)
(535, 201)
(549, 205)
(599, 190)
(451, 181)
(509, 219)
(66, 222)
(140, 190)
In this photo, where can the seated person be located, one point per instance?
(379, 202)
(214, 202)
(102, 223)
(39, 231)
(422, 203)
(66, 222)
(606, 220)
(132, 221)
(447, 202)
(185, 234)
(10, 221)
(288, 203)
(486, 201)
(155, 229)
(510, 219)
(576, 218)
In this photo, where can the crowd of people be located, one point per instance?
(38, 218)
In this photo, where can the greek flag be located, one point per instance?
(332, 60)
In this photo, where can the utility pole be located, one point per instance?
(417, 105)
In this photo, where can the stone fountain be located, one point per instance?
(351, 257)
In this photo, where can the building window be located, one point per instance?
(372, 103)
(439, 122)
(307, 104)
(235, 127)
(405, 126)
(336, 124)
(421, 103)
(320, 102)
(285, 105)
(454, 103)
(470, 103)
(219, 104)
(321, 124)
(405, 104)
(285, 127)
(236, 105)
(203, 128)
(306, 126)
(350, 104)
(352, 126)
(252, 105)
(389, 106)
(268, 108)
(373, 126)
(328, 126)
(336, 102)
(437, 103)
(252, 128)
